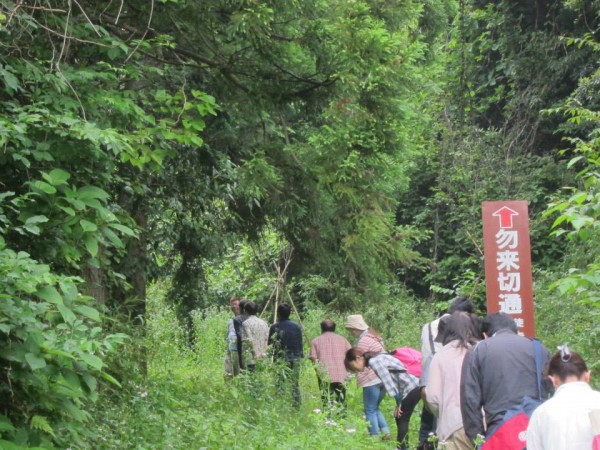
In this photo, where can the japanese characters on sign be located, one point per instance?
(508, 262)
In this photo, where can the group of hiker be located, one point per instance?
(481, 382)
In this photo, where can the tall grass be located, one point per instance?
(186, 403)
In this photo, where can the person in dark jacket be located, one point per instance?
(497, 373)
(285, 338)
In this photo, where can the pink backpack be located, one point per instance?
(411, 359)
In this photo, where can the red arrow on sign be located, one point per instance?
(505, 215)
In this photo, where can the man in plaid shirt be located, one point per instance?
(328, 351)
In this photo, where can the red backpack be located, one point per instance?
(411, 359)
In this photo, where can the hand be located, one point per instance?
(398, 412)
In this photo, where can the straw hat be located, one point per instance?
(356, 322)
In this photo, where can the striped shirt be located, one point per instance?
(329, 350)
(367, 342)
(393, 375)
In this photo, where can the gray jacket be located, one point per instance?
(497, 373)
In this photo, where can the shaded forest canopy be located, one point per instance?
(199, 141)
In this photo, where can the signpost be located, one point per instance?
(509, 285)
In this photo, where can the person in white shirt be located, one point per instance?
(563, 422)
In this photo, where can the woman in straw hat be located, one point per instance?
(368, 340)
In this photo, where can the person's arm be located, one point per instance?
(381, 370)
(313, 352)
(471, 396)
(434, 387)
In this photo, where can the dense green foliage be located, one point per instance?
(336, 152)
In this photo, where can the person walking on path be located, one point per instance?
(497, 374)
(232, 361)
(285, 337)
(237, 326)
(255, 336)
(368, 340)
(328, 352)
(563, 422)
(430, 345)
(443, 386)
(397, 382)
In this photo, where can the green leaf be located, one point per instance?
(44, 187)
(92, 360)
(67, 314)
(69, 289)
(116, 241)
(88, 312)
(36, 219)
(6, 445)
(91, 244)
(75, 412)
(50, 294)
(69, 211)
(5, 424)
(87, 225)
(34, 361)
(123, 229)
(10, 81)
(110, 379)
(59, 176)
(91, 192)
(41, 423)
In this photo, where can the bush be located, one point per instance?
(51, 355)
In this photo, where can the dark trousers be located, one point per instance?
(408, 406)
(332, 394)
(288, 376)
(427, 425)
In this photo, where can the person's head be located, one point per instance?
(283, 311)
(250, 308)
(567, 366)
(355, 360)
(234, 304)
(460, 303)
(476, 325)
(327, 325)
(441, 329)
(355, 324)
(459, 327)
(492, 323)
(243, 305)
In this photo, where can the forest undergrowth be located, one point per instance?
(184, 402)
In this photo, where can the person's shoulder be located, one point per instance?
(340, 338)
(263, 321)
(316, 340)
